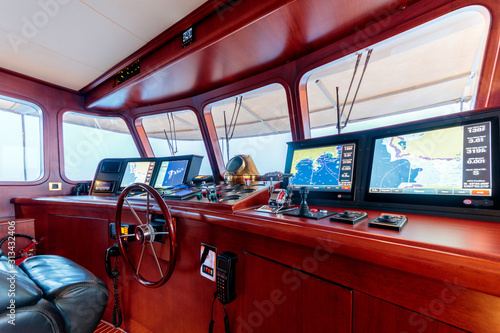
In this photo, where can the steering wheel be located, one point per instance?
(23, 253)
(143, 238)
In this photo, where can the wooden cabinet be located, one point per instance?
(371, 314)
(81, 239)
(357, 280)
(278, 298)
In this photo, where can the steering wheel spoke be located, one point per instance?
(140, 261)
(133, 211)
(144, 236)
(156, 258)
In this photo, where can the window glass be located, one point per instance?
(176, 133)
(428, 71)
(255, 123)
(21, 140)
(88, 139)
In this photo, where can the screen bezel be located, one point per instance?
(189, 166)
(322, 197)
(439, 201)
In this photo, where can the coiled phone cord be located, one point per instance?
(226, 318)
(117, 312)
(211, 327)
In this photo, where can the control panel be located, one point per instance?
(224, 193)
(349, 217)
(389, 221)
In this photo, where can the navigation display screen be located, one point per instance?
(137, 172)
(452, 161)
(170, 174)
(102, 186)
(328, 168)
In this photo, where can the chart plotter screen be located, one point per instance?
(328, 168)
(448, 161)
(170, 174)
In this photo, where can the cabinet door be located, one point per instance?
(278, 298)
(371, 314)
(81, 239)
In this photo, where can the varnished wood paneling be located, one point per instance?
(50, 99)
(222, 55)
(81, 239)
(409, 273)
(281, 299)
(374, 315)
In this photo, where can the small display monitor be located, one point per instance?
(326, 169)
(171, 174)
(103, 186)
(137, 172)
(440, 166)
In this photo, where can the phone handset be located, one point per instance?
(113, 273)
(225, 278)
(226, 275)
(113, 251)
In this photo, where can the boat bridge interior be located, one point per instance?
(250, 166)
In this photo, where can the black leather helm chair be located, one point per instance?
(48, 294)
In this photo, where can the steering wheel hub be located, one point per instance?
(145, 233)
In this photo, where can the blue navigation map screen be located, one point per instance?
(448, 161)
(328, 168)
(171, 174)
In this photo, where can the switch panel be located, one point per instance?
(208, 256)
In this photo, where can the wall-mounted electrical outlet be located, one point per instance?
(55, 186)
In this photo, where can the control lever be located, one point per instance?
(304, 208)
(280, 200)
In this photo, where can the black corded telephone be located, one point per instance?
(113, 251)
(225, 278)
(226, 275)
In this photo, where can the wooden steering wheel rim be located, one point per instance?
(171, 237)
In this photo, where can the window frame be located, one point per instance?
(365, 38)
(143, 137)
(241, 88)
(60, 123)
(44, 128)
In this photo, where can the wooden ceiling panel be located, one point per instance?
(247, 39)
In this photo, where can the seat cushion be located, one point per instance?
(16, 287)
(42, 317)
(79, 295)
